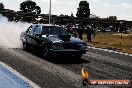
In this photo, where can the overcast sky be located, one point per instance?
(103, 8)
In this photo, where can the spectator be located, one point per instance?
(89, 32)
(75, 31)
(69, 28)
(80, 32)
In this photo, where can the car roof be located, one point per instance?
(45, 25)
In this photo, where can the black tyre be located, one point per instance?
(25, 47)
(45, 52)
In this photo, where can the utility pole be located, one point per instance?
(50, 13)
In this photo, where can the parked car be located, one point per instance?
(108, 29)
(50, 40)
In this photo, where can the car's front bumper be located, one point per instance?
(68, 51)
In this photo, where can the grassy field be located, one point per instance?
(115, 41)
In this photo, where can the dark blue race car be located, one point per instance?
(52, 40)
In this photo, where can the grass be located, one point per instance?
(115, 41)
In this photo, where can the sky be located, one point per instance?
(102, 8)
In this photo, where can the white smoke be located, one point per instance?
(10, 32)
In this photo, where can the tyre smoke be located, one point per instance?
(10, 32)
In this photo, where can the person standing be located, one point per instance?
(89, 32)
(80, 32)
(75, 31)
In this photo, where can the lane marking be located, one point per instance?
(17, 74)
(111, 51)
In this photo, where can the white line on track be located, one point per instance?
(111, 51)
(17, 74)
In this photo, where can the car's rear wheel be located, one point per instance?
(25, 46)
(45, 52)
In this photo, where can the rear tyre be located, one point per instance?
(45, 52)
(25, 46)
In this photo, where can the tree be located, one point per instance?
(83, 10)
(12, 15)
(72, 15)
(31, 8)
(7, 12)
(112, 18)
(1, 6)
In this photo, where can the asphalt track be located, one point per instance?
(66, 72)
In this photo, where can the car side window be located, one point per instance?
(38, 30)
(32, 32)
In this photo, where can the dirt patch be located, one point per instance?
(122, 34)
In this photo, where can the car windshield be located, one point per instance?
(54, 30)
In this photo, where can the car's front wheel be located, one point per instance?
(78, 56)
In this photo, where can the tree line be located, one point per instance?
(29, 11)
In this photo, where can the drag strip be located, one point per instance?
(66, 72)
(41, 72)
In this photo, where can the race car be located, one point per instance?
(52, 40)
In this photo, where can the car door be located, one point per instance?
(28, 35)
(37, 39)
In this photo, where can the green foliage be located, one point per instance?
(31, 8)
(7, 13)
(83, 10)
(1, 6)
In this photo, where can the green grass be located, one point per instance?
(112, 41)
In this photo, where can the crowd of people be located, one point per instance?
(78, 31)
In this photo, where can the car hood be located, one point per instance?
(57, 38)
